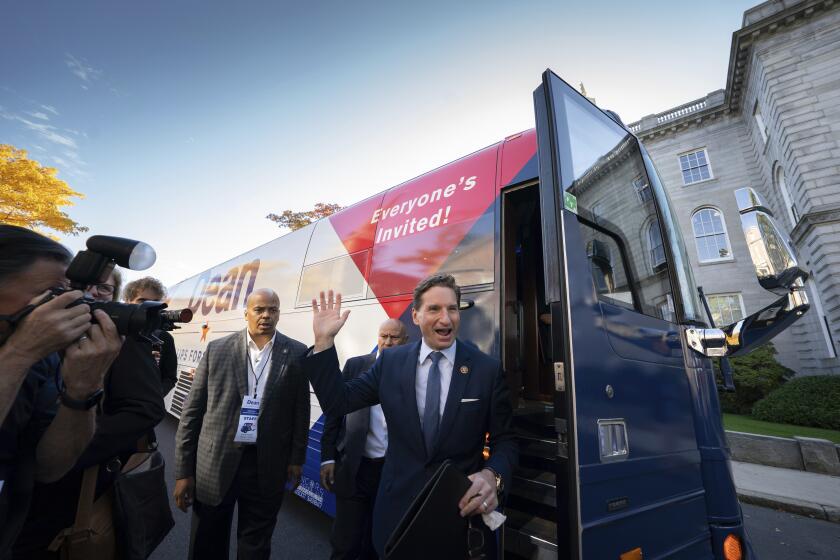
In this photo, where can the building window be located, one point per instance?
(695, 167)
(710, 235)
(642, 189)
(656, 248)
(726, 308)
(781, 184)
(665, 309)
(597, 213)
(759, 122)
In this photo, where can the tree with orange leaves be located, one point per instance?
(32, 196)
(297, 220)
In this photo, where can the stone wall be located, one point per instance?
(785, 68)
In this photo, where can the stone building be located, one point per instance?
(776, 128)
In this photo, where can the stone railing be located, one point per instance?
(681, 111)
(711, 100)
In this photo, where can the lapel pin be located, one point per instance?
(465, 370)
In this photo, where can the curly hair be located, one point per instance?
(136, 287)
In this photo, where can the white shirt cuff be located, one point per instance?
(327, 462)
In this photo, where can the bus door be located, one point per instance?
(628, 473)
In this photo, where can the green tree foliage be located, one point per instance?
(296, 220)
(804, 401)
(756, 375)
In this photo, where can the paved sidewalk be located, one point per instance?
(806, 493)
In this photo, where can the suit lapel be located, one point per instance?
(364, 421)
(408, 376)
(456, 390)
(279, 358)
(241, 362)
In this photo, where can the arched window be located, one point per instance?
(710, 235)
(779, 179)
(656, 248)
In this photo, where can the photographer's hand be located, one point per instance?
(84, 367)
(87, 361)
(51, 326)
(48, 328)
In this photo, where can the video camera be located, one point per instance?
(94, 266)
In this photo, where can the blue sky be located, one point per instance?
(185, 122)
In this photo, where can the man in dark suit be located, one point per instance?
(362, 446)
(221, 457)
(440, 397)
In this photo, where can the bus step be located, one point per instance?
(538, 425)
(529, 537)
(534, 490)
(537, 447)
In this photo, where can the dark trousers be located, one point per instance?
(210, 535)
(351, 532)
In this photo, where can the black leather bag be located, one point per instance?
(433, 527)
(142, 513)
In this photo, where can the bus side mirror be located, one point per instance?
(778, 271)
(775, 262)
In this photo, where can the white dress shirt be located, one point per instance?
(260, 364)
(424, 364)
(376, 443)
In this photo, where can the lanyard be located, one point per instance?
(251, 369)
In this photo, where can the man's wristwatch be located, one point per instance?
(500, 485)
(77, 404)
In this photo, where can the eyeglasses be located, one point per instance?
(475, 541)
(105, 289)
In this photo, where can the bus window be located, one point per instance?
(343, 275)
(624, 242)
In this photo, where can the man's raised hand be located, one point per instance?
(327, 319)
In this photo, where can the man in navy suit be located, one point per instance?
(359, 446)
(440, 397)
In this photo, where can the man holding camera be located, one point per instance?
(34, 328)
(132, 406)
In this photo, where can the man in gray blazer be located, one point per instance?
(243, 434)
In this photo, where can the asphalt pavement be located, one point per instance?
(302, 531)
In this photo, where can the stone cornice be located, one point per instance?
(745, 38)
(826, 214)
(780, 15)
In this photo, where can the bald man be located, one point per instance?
(352, 458)
(243, 434)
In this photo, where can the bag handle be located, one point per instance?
(81, 527)
(86, 496)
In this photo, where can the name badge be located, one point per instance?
(246, 432)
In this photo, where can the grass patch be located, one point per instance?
(738, 423)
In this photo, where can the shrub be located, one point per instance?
(804, 401)
(756, 375)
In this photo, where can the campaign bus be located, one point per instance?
(575, 275)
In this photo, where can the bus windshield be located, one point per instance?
(629, 232)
